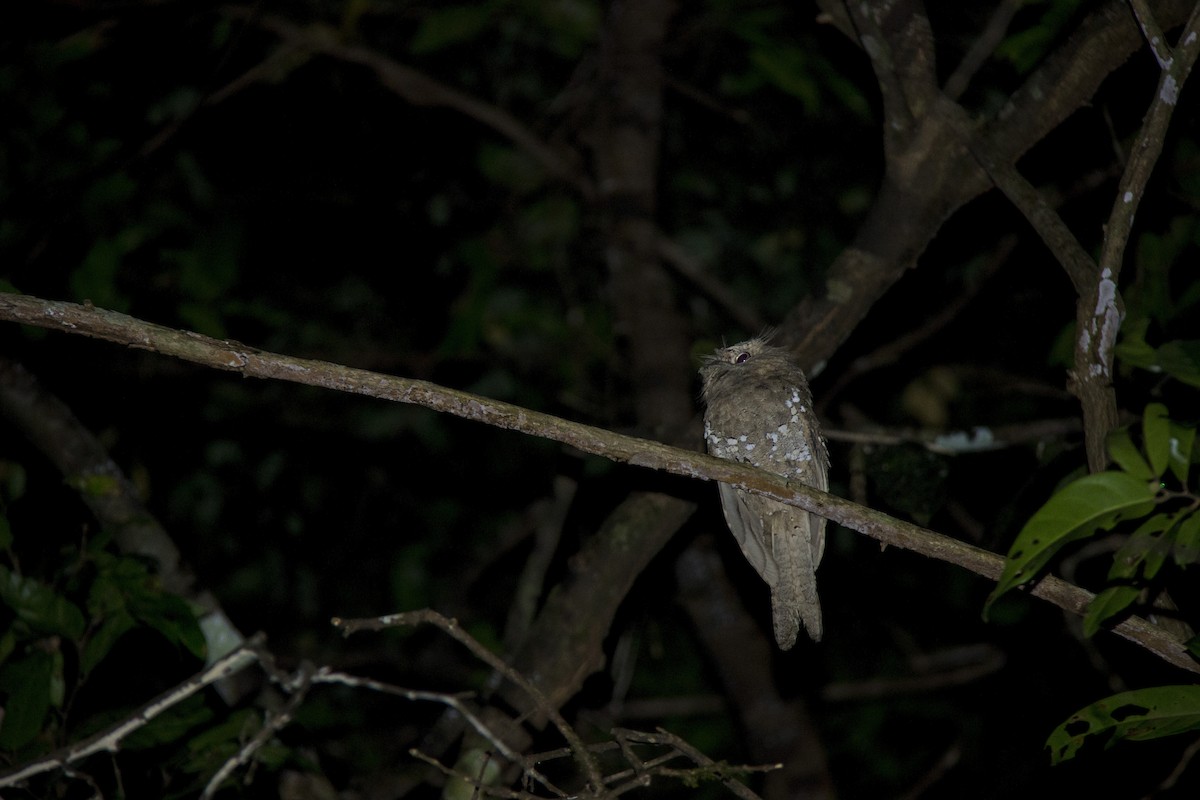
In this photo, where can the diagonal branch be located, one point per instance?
(1152, 32)
(109, 739)
(1099, 310)
(421, 90)
(83, 461)
(451, 628)
(983, 47)
(1149, 143)
(935, 173)
(253, 363)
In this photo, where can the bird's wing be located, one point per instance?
(745, 520)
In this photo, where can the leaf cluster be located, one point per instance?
(68, 635)
(1152, 503)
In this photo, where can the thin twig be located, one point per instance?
(929, 326)
(1152, 32)
(420, 89)
(1185, 760)
(1054, 233)
(110, 738)
(665, 738)
(452, 701)
(532, 581)
(898, 113)
(455, 631)
(481, 789)
(988, 661)
(979, 439)
(983, 46)
(1149, 143)
(273, 723)
(677, 258)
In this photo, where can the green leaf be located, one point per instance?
(1181, 360)
(173, 618)
(1183, 439)
(1144, 553)
(1092, 503)
(8, 643)
(1125, 453)
(1137, 716)
(449, 26)
(213, 746)
(789, 70)
(567, 26)
(101, 641)
(39, 606)
(125, 592)
(1133, 349)
(58, 681)
(27, 682)
(12, 481)
(1156, 436)
(1024, 49)
(1138, 561)
(510, 168)
(170, 726)
(1187, 541)
(1107, 604)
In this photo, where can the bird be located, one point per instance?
(758, 410)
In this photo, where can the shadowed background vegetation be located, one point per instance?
(672, 178)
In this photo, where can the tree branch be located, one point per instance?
(1149, 143)
(981, 49)
(451, 628)
(104, 488)
(250, 362)
(775, 728)
(109, 739)
(935, 174)
(1152, 32)
(83, 461)
(421, 90)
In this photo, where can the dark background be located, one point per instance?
(175, 162)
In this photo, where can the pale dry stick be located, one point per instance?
(455, 631)
(273, 723)
(451, 701)
(110, 738)
(480, 789)
(250, 362)
(665, 738)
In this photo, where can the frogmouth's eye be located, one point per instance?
(742, 358)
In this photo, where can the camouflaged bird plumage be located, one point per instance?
(759, 411)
